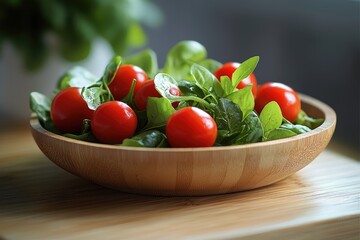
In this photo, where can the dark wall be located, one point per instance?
(311, 45)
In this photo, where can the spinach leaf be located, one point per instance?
(110, 70)
(40, 104)
(129, 98)
(251, 130)
(279, 133)
(99, 92)
(244, 99)
(151, 138)
(226, 85)
(206, 81)
(93, 95)
(295, 128)
(85, 134)
(225, 137)
(210, 64)
(163, 84)
(270, 117)
(76, 77)
(190, 89)
(228, 116)
(244, 70)
(158, 111)
(145, 59)
(304, 119)
(182, 56)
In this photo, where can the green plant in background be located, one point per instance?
(74, 25)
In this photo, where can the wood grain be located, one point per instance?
(190, 172)
(41, 201)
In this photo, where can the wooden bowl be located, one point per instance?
(189, 171)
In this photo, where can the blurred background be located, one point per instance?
(310, 45)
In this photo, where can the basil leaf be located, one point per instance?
(251, 130)
(76, 77)
(244, 70)
(111, 69)
(158, 111)
(271, 117)
(152, 138)
(244, 99)
(279, 133)
(40, 104)
(228, 116)
(146, 60)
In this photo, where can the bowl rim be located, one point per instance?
(329, 121)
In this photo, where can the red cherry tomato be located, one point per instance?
(113, 121)
(121, 84)
(69, 109)
(148, 90)
(191, 127)
(227, 69)
(286, 97)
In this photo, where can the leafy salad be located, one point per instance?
(193, 101)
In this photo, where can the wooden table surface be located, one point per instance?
(38, 200)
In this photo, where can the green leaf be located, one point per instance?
(308, 121)
(92, 95)
(158, 111)
(206, 80)
(279, 133)
(251, 130)
(152, 138)
(271, 117)
(145, 59)
(164, 82)
(85, 134)
(76, 77)
(210, 64)
(190, 89)
(295, 128)
(136, 36)
(244, 70)
(244, 99)
(226, 85)
(40, 104)
(182, 56)
(111, 69)
(228, 116)
(75, 50)
(129, 98)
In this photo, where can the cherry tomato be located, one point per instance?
(148, 90)
(121, 84)
(227, 69)
(191, 127)
(286, 97)
(113, 121)
(69, 109)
